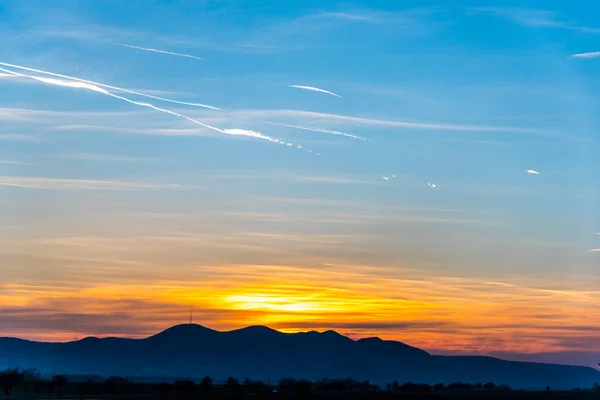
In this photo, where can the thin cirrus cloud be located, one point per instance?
(104, 157)
(532, 172)
(533, 18)
(391, 123)
(83, 85)
(10, 162)
(350, 16)
(74, 184)
(158, 51)
(315, 89)
(12, 137)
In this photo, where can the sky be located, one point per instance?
(418, 171)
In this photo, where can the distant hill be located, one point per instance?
(258, 352)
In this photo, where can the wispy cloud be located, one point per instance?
(315, 89)
(414, 19)
(389, 123)
(98, 84)
(158, 51)
(80, 84)
(329, 179)
(532, 172)
(595, 251)
(593, 54)
(13, 137)
(77, 84)
(534, 18)
(14, 162)
(351, 16)
(74, 184)
(104, 157)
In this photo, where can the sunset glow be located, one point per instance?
(422, 174)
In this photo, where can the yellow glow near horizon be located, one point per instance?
(431, 312)
(270, 302)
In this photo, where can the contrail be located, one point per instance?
(593, 54)
(109, 87)
(88, 86)
(158, 51)
(532, 172)
(98, 84)
(92, 87)
(314, 89)
(305, 128)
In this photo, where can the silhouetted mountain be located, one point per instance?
(258, 352)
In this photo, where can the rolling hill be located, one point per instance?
(258, 352)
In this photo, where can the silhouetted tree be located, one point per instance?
(596, 386)
(254, 386)
(206, 384)
(438, 387)
(460, 386)
(59, 382)
(303, 388)
(115, 384)
(165, 389)
(31, 376)
(234, 387)
(489, 386)
(86, 387)
(415, 387)
(186, 387)
(506, 388)
(9, 379)
(231, 382)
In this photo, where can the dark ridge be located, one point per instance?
(255, 329)
(184, 331)
(256, 352)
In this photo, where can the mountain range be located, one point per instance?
(258, 352)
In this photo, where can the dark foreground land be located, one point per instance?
(30, 384)
(187, 390)
(223, 395)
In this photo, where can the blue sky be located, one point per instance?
(467, 96)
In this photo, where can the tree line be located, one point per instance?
(31, 381)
